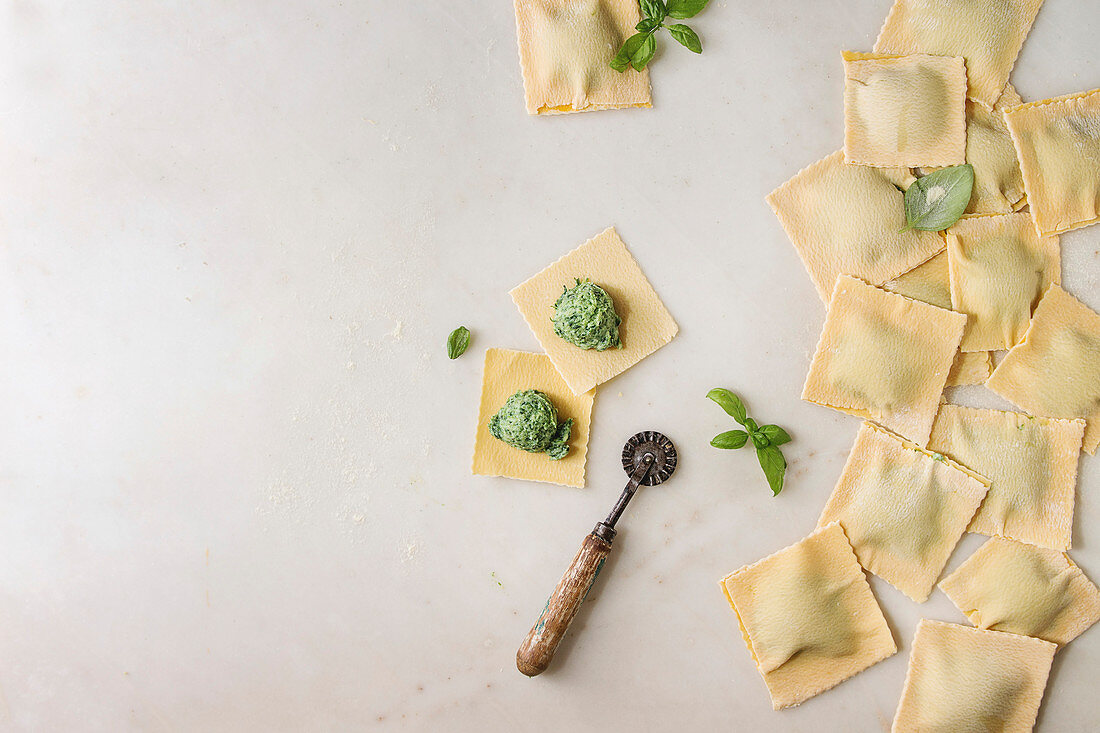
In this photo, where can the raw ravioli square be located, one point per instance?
(884, 357)
(903, 508)
(987, 33)
(808, 617)
(1054, 371)
(647, 325)
(1031, 463)
(850, 220)
(1058, 143)
(507, 372)
(1023, 589)
(564, 50)
(904, 110)
(966, 679)
(999, 268)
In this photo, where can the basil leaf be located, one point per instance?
(457, 342)
(936, 201)
(729, 402)
(644, 53)
(626, 53)
(759, 439)
(681, 9)
(751, 425)
(774, 465)
(647, 24)
(730, 440)
(686, 37)
(653, 9)
(775, 434)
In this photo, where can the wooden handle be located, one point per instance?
(542, 640)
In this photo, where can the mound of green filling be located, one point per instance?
(529, 421)
(584, 315)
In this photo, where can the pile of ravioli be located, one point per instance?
(909, 314)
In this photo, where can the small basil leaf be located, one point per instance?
(644, 53)
(681, 9)
(647, 24)
(457, 342)
(730, 440)
(654, 9)
(776, 435)
(936, 201)
(751, 425)
(759, 439)
(774, 465)
(729, 402)
(630, 47)
(686, 37)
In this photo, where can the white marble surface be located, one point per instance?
(234, 478)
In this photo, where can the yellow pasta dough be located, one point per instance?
(564, 50)
(1058, 144)
(808, 617)
(1031, 462)
(884, 357)
(850, 219)
(967, 680)
(507, 372)
(1054, 371)
(646, 326)
(904, 110)
(1023, 589)
(903, 508)
(999, 267)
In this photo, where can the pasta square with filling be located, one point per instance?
(1023, 589)
(999, 268)
(904, 110)
(884, 357)
(1058, 144)
(850, 219)
(987, 33)
(564, 50)
(1031, 462)
(903, 508)
(508, 372)
(965, 679)
(1053, 371)
(646, 323)
(808, 617)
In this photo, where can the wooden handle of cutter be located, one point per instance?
(542, 640)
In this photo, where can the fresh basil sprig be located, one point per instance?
(936, 201)
(637, 50)
(765, 438)
(457, 342)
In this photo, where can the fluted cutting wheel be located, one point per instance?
(664, 455)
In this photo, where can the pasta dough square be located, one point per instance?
(1058, 143)
(564, 50)
(962, 679)
(904, 110)
(884, 357)
(903, 508)
(1053, 371)
(1023, 589)
(646, 326)
(850, 219)
(507, 372)
(1031, 462)
(808, 617)
(999, 268)
(987, 33)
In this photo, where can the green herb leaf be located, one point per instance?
(730, 440)
(775, 434)
(621, 62)
(681, 9)
(759, 439)
(645, 25)
(729, 402)
(653, 9)
(457, 342)
(774, 465)
(686, 37)
(642, 57)
(936, 201)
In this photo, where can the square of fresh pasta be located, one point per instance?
(964, 679)
(1031, 463)
(987, 33)
(564, 50)
(808, 617)
(645, 327)
(999, 268)
(508, 372)
(1053, 372)
(1058, 143)
(903, 508)
(904, 110)
(1023, 589)
(850, 219)
(884, 357)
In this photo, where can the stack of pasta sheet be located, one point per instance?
(910, 313)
